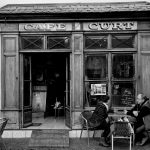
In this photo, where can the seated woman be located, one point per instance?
(100, 119)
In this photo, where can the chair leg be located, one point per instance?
(130, 141)
(93, 133)
(133, 139)
(88, 137)
(112, 141)
(81, 133)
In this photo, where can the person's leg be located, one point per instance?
(144, 138)
(105, 140)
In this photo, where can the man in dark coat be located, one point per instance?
(100, 119)
(141, 109)
(141, 99)
(139, 124)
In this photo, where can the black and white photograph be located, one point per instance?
(75, 74)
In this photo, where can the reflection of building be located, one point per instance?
(87, 44)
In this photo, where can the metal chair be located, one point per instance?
(84, 119)
(122, 130)
(3, 122)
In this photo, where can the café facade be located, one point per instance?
(70, 55)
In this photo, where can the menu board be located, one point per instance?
(127, 97)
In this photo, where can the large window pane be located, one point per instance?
(123, 66)
(95, 67)
(58, 42)
(95, 42)
(123, 94)
(123, 41)
(32, 42)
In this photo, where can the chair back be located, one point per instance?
(121, 128)
(146, 121)
(3, 122)
(84, 117)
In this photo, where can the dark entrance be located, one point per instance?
(49, 71)
(47, 84)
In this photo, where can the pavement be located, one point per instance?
(75, 144)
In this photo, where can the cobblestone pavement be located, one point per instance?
(75, 144)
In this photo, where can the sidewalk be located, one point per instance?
(75, 144)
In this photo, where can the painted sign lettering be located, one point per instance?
(45, 27)
(104, 26)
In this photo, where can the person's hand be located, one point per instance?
(125, 111)
(135, 113)
(107, 119)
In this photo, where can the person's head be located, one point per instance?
(105, 99)
(140, 99)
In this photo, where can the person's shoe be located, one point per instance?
(138, 143)
(103, 142)
(144, 140)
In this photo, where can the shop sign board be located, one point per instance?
(45, 27)
(88, 26)
(109, 26)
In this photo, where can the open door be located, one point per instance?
(26, 84)
(67, 92)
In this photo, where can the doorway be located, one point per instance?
(45, 82)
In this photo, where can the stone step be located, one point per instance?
(51, 138)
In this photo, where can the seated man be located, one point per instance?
(139, 103)
(138, 112)
(139, 124)
(100, 119)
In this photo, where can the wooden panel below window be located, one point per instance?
(145, 42)
(145, 72)
(10, 100)
(77, 81)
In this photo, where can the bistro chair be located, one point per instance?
(84, 119)
(3, 122)
(122, 130)
(146, 121)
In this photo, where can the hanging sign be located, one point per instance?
(109, 26)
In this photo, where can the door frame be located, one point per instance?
(26, 115)
(28, 110)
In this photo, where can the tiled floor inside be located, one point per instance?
(48, 123)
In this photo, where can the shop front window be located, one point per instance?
(95, 78)
(112, 71)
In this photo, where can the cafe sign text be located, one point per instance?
(109, 26)
(45, 27)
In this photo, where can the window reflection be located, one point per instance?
(123, 94)
(95, 67)
(123, 66)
